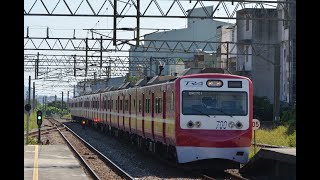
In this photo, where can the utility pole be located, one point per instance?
(291, 8)
(43, 103)
(37, 66)
(138, 23)
(35, 69)
(101, 48)
(108, 71)
(276, 104)
(28, 112)
(86, 57)
(114, 22)
(74, 90)
(228, 56)
(55, 101)
(74, 62)
(150, 66)
(35, 103)
(29, 90)
(62, 102)
(34, 95)
(68, 99)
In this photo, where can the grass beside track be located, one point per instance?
(32, 125)
(32, 121)
(281, 135)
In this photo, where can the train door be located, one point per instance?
(143, 113)
(128, 105)
(122, 110)
(118, 110)
(164, 116)
(152, 115)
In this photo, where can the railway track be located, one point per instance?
(221, 175)
(43, 131)
(99, 166)
(215, 175)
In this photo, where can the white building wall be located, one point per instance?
(258, 64)
(284, 63)
(228, 34)
(197, 30)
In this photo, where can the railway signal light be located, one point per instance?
(83, 123)
(27, 107)
(39, 118)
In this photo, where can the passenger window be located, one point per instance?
(172, 102)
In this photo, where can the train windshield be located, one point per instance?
(223, 103)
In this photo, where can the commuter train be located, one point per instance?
(196, 120)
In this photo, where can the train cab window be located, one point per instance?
(224, 103)
(140, 105)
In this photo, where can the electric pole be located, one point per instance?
(228, 56)
(68, 99)
(62, 102)
(55, 101)
(34, 95)
(276, 104)
(28, 112)
(86, 70)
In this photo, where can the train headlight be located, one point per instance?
(239, 125)
(214, 83)
(190, 124)
(198, 124)
(231, 124)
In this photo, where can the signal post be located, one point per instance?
(39, 122)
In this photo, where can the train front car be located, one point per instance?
(214, 120)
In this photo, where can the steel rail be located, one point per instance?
(111, 164)
(87, 166)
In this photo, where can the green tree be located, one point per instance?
(57, 104)
(262, 108)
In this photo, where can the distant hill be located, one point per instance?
(40, 97)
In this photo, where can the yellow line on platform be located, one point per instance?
(35, 163)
